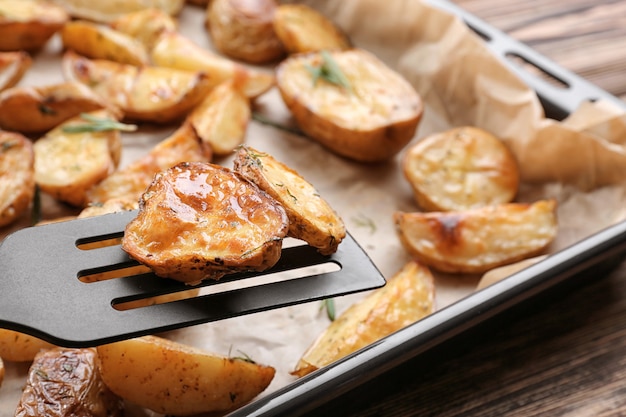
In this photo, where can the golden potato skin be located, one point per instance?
(145, 25)
(477, 240)
(176, 379)
(460, 169)
(20, 347)
(17, 176)
(66, 383)
(28, 25)
(32, 110)
(303, 29)
(105, 11)
(201, 221)
(406, 298)
(369, 122)
(244, 30)
(311, 218)
(13, 66)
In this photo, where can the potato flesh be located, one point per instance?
(17, 176)
(13, 66)
(475, 241)
(460, 169)
(20, 347)
(109, 10)
(176, 379)
(65, 383)
(406, 298)
(200, 221)
(311, 218)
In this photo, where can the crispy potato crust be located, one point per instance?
(201, 221)
(459, 169)
(370, 121)
(311, 218)
(475, 241)
(17, 176)
(64, 383)
(13, 66)
(28, 25)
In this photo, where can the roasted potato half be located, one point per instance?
(303, 29)
(146, 94)
(33, 110)
(13, 66)
(406, 298)
(145, 25)
(461, 168)
(20, 347)
(176, 379)
(98, 41)
(477, 240)
(68, 163)
(28, 25)
(109, 10)
(350, 102)
(131, 181)
(17, 176)
(244, 30)
(311, 218)
(66, 382)
(201, 221)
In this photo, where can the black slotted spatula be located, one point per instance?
(59, 283)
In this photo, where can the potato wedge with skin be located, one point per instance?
(146, 94)
(244, 30)
(64, 383)
(311, 218)
(13, 66)
(176, 379)
(131, 181)
(20, 347)
(201, 221)
(475, 241)
(370, 121)
(221, 119)
(406, 298)
(173, 50)
(460, 169)
(108, 10)
(28, 25)
(17, 176)
(33, 110)
(69, 164)
(145, 25)
(97, 41)
(303, 29)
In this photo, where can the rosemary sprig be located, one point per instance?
(244, 356)
(97, 124)
(328, 304)
(329, 71)
(266, 121)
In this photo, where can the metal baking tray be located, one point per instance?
(606, 248)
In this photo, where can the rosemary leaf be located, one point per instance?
(329, 71)
(329, 305)
(97, 124)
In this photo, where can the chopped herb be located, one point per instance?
(244, 356)
(329, 71)
(8, 145)
(97, 124)
(363, 221)
(295, 199)
(43, 109)
(264, 120)
(329, 305)
(42, 374)
(68, 367)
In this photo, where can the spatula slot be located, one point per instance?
(106, 274)
(97, 242)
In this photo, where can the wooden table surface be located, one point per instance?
(562, 354)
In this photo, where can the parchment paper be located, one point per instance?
(580, 162)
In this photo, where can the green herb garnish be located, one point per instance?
(244, 356)
(97, 124)
(329, 71)
(363, 221)
(329, 305)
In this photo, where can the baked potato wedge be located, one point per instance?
(64, 383)
(97, 41)
(17, 176)
(350, 102)
(244, 30)
(13, 66)
(311, 218)
(28, 25)
(131, 181)
(176, 379)
(32, 110)
(477, 240)
(221, 119)
(144, 94)
(68, 163)
(301, 28)
(20, 347)
(109, 10)
(145, 25)
(406, 298)
(173, 50)
(459, 169)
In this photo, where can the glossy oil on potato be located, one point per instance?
(176, 379)
(17, 176)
